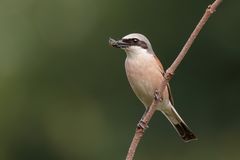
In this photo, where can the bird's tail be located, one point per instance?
(182, 129)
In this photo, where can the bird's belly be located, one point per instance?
(143, 88)
(144, 78)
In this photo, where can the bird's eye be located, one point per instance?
(135, 40)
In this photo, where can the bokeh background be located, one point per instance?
(64, 94)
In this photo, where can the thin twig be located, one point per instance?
(168, 76)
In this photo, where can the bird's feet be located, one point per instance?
(156, 95)
(142, 125)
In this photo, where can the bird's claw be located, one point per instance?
(156, 95)
(142, 125)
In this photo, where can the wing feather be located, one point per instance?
(168, 86)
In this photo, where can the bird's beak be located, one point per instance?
(118, 44)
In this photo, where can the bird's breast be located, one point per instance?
(144, 75)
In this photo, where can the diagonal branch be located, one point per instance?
(168, 76)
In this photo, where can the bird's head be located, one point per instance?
(133, 43)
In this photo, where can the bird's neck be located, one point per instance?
(132, 53)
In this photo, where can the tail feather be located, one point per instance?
(182, 129)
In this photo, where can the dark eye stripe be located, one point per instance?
(135, 42)
(143, 44)
(131, 40)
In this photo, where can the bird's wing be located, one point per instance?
(168, 86)
(170, 94)
(159, 64)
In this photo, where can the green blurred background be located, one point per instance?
(64, 94)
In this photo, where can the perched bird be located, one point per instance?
(145, 74)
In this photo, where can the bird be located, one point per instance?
(145, 74)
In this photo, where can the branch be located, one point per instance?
(143, 124)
